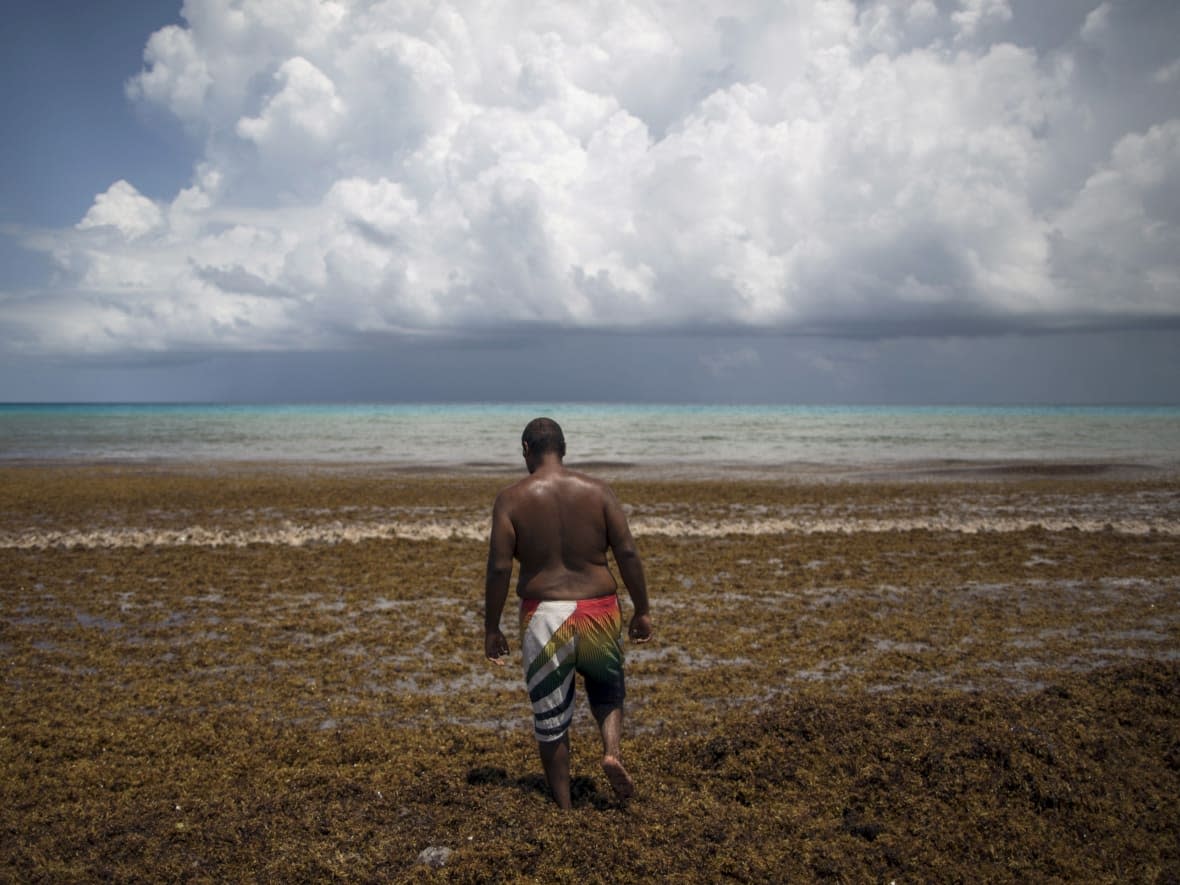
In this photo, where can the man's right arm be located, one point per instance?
(626, 554)
(499, 575)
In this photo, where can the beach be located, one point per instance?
(219, 672)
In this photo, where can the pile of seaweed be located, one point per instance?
(1077, 782)
(847, 706)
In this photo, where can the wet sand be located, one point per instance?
(957, 673)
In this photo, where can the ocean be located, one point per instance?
(691, 437)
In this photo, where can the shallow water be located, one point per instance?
(486, 436)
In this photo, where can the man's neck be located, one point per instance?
(550, 462)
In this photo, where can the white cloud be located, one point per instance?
(176, 75)
(124, 209)
(1121, 234)
(1097, 23)
(305, 107)
(851, 168)
(974, 14)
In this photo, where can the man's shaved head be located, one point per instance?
(543, 435)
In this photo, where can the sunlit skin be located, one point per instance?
(559, 525)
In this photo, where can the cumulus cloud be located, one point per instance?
(124, 209)
(1122, 232)
(975, 14)
(305, 107)
(849, 168)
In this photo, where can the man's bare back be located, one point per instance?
(562, 524)
(559, 524)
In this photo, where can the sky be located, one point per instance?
(933, 201)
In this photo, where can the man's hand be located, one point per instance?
(640, 630)
(495, 646)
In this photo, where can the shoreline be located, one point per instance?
(916, 470)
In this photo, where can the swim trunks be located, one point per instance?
(559, 638)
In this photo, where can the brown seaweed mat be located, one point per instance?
(934, 705)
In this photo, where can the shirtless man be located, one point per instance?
(560, 524)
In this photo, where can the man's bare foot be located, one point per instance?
(620, 781)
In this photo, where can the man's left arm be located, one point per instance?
(499, 576)
(626, 554)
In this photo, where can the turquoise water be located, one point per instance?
(457, 435)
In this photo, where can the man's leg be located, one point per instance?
(610, 724)
(555, 759)
(549, 659)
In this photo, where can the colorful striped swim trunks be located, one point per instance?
(559, 638)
